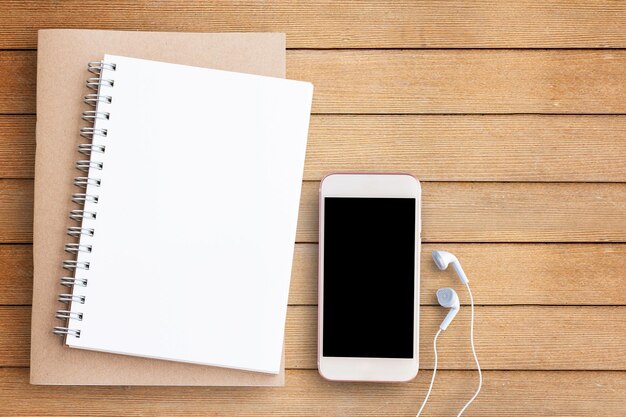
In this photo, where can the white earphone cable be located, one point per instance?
(432, 381)
(480, 374)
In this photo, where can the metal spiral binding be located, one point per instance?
(95, 83)
(94, 99)
(91, 115)
(68, 298)
(90, 133)
(78, 215)
(88, 149)
(77, 247)
(78, 231)
(63, 331)
(66, 314)
(70, 282)
(86, 165)
(96, 67)
(84, 182)
(75, 265)
(82, 198)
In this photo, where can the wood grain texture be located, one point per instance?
(463, 81)
(434, 148)
(333, 24)
(15, 346)
(547, 274)
(470, 148)
(16, 211)
(501, 274)
(16, 274)
(505, 212)
(18, 72)
(507, 337)
(451, 212)
(505, 393)
(17, 146)
(422, 81)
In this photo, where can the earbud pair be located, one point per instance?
(447, 297)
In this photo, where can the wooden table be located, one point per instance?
(512, 113)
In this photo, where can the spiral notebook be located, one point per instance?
(62, 69)
(186, 221)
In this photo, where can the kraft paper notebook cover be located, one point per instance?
(62, 59)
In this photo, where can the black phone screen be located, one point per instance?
(369, 277)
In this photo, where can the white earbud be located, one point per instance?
(448, 298)
(443, 259)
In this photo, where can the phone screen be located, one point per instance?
(369, 277)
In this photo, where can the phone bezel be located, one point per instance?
(369, 186)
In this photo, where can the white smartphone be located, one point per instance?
(369, 246)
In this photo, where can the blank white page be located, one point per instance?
(196, 215)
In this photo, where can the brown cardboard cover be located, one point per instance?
(61, 73)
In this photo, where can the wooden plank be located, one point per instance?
(507, 337)
(505, 212)
(501, 274)
(463, 81)
(534, 212)
(329, 24)
(424, 81)
(15, 344)
(17, 146)
(451, 212)
(543, 274)
(504, 393)
(18, 72)
(470, 148)
(16, 211)
(16, 274)
(434, 148)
